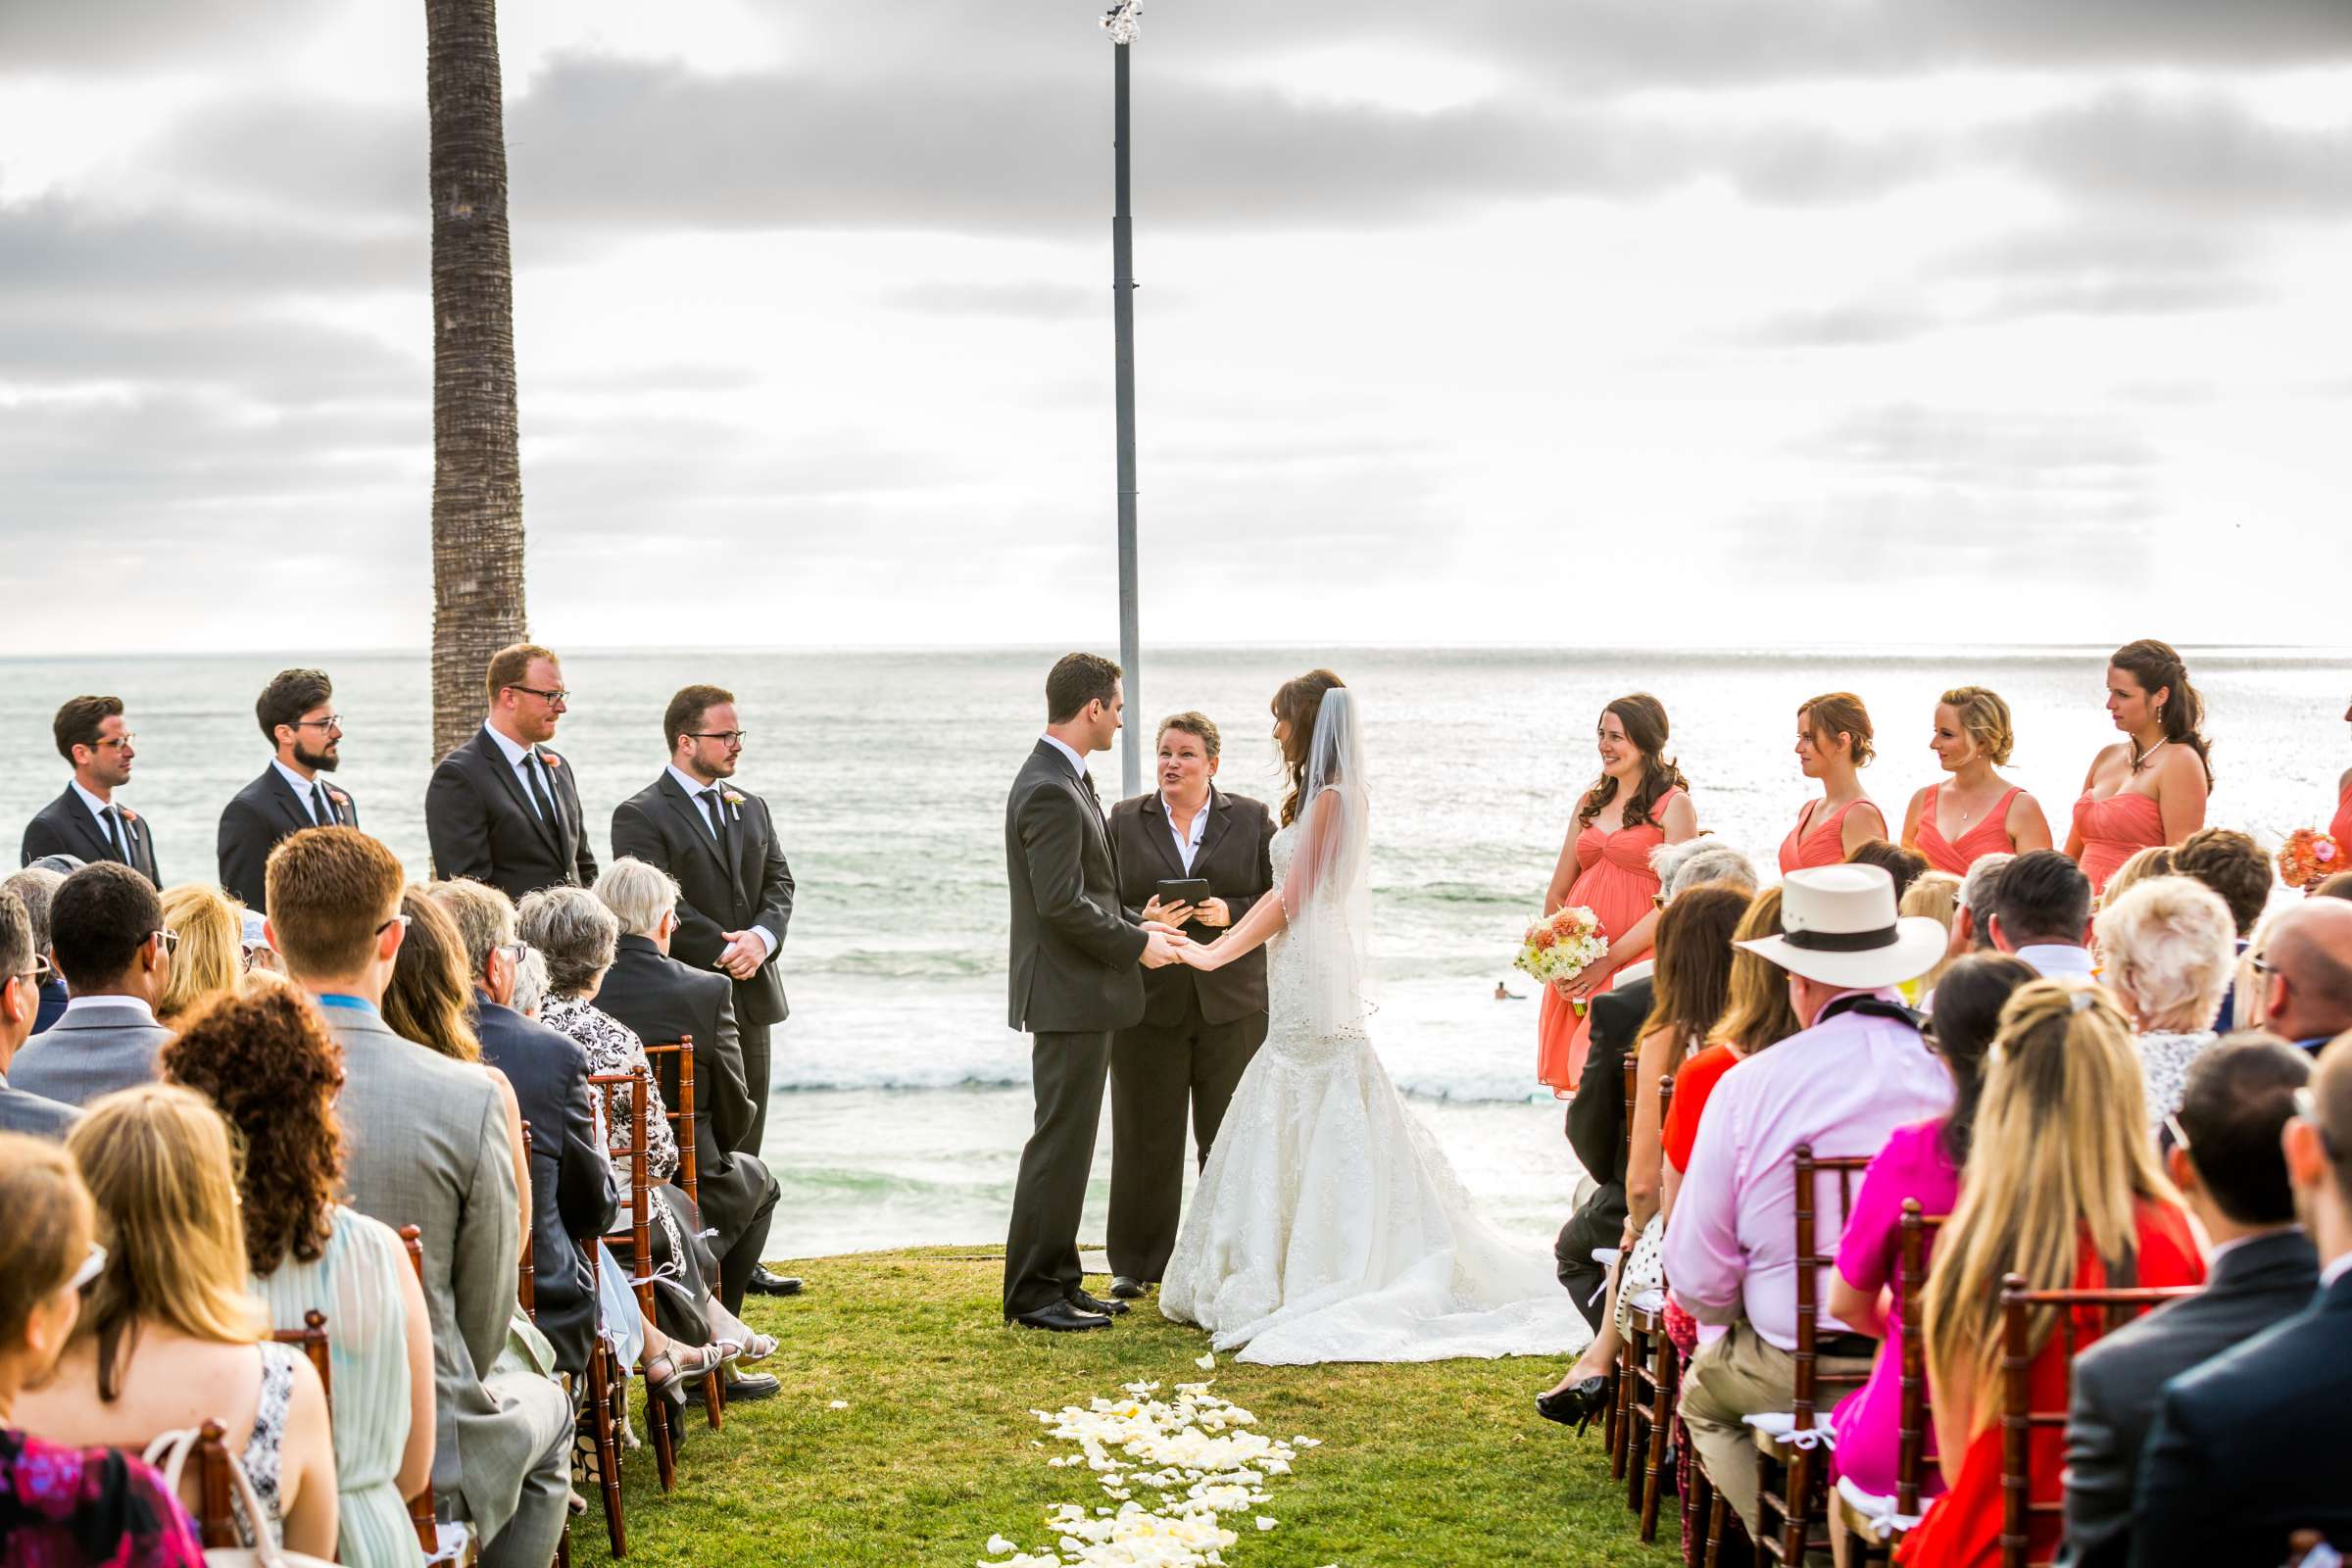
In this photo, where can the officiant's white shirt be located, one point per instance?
(1187, 842)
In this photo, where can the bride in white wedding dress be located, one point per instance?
(1327, 1225)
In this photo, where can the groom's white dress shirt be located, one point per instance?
(1077, 762)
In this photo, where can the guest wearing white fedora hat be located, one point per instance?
(1842, 1085)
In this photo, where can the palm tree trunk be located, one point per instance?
(477, 473)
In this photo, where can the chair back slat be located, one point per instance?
(678, 1110)
(1913, 1428)
(312, 1336)
(637, 1238)
(422, 1515)
(526, 1273)
(1811, 1259)
(1624, 1134)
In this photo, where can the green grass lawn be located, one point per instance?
(1431, 1464)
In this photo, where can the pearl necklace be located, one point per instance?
(2141, 761)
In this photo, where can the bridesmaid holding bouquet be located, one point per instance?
(1640, 801)
(1832, 745)
(2149, 788)
(1975, 813)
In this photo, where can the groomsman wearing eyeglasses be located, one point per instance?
(93, 737)
(297, 716)
(720, 841)
(108, 938)
(502, 808)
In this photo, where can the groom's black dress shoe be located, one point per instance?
(1062, 1317)
(1127, 1287)
(764, 1283)
(1088, 1303)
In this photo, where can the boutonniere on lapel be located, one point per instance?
(549, 757)
(338, 797)
(131, 818)
(734, 797)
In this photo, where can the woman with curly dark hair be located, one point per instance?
(272, 1070)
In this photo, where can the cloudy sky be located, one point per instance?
(1587, 321)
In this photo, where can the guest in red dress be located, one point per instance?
(2062, 1187)
(1833, 742)
(1640, 801)
(1975, 812)
(2149, 788)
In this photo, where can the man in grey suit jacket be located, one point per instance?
(20, 972)
(426, 1140)
(106, 930)
(2230, 1167)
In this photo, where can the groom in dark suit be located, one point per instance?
(296, 712)
(86, 821)
(1074, 980)
(502, 808)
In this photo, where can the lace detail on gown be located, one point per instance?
(1327, 1225)
(265, 1457)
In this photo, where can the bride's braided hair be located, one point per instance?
(1298, 702)
(1645, 719)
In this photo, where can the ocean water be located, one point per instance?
(901, 1098)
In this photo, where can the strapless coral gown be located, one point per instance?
(2341, 829)
(1821, 845)
(1615, 882)
(2115, 829)
(1990, 835)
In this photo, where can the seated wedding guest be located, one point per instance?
(2235, 867)
(1597, 1112)
(659, 999)
(1756, 1017)
(20, 970)
(2154, 861)
(169, 1338)
(94, 1507)
(1972, 921)
(1922, 1161)
(260, 957)
(503, 807)
(35, 887)
(1692, 974)
(425, 1143)
(2062, 1188)
(87, 820)
(1906, 866)
(530, 981)
(2165, 953)
(2150, 787)
(572, 1196)
(579, 936)
(272, 1071)
(2254, 1444)
(2042, 912)
(2338, 886)
(1976, 812)
(297, 715)
(108, 939)
(208, 961)
(2229, 1167)
(2307, 963)
(1832, 743)
(1935, 895)
(1842, 1085)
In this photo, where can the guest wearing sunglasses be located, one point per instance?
(108, 936)
(503, 807)
(297, 715)
(2305, 971)
(87, 820)
(20, 973)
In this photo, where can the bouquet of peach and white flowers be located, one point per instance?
(2309, 856)
(1563, 945)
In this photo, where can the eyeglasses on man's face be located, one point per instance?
(557, 697)
(729, 738)
(330, 721)
(103, 742)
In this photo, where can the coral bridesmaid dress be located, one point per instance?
(2115, 829)
(1615, 882)
(1990, 836)
(2341, 829)
(1824, 844)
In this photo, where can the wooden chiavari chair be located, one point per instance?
(634, 1245)
(312, 1336)
(1914, 1423)
(1616, 1432)
(678, 1111)
(1651, 1368)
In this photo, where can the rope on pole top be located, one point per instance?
(1124, 21)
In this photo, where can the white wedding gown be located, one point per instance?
(1327, 1225)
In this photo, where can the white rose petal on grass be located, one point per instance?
(997, 1546)
(1264, 1523)
(1205, 1361)
(838, 1404)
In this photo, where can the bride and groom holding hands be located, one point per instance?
(1327, 1225)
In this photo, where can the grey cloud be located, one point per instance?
(109, 34)
(2210, 158)
(273, 360)
(66, 255)
(1025, 301)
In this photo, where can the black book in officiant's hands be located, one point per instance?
(1189, 891)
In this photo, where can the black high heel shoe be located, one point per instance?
(1575, 1405)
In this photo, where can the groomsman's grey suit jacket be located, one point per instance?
(95, 1049)
(34, 1115)
(426, 1139)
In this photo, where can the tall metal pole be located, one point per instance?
(1122, 294)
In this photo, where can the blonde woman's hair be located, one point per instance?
(2062, 1159)
(48, 1229)
(1935, 895)
(2169, 948)
(2154, 860)
(158, 1165)
(1985, 719)
(210, 961)
(1756, 1011)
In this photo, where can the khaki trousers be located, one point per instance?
(1740, 1375)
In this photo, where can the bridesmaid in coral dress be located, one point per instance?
(2150, 788)
(1976, 812)
(1640, 801)
(1832, 743)
(2341, 829)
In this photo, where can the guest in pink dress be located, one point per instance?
(1640, 801)
(2150, 788)
(1922, 1161)
(1985, 813)
(1832, 743)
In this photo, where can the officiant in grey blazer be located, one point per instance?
(1200, 1028)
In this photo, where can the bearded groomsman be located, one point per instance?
(719, 843)
(1200, 1028)
(86, 821)
(502, 808)
(296, 712)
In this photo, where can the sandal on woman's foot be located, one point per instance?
(758, 1348)
(664, 1374)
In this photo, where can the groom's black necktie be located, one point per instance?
(1088, 779)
